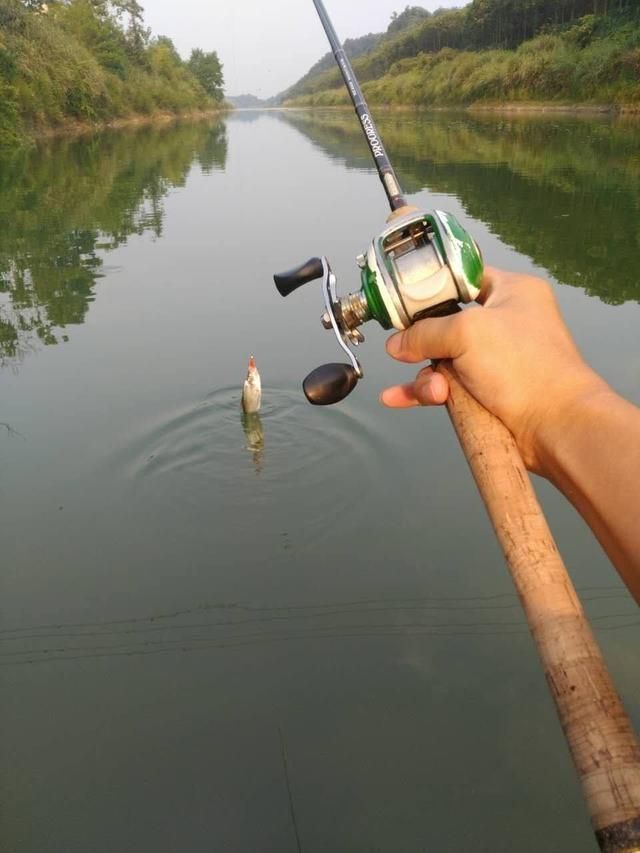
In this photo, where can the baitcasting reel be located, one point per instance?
(422, 265)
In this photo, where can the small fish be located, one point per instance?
(252, 390)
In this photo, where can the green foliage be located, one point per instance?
(411, 15)
(206, 68)
(12, 16)
(163, 57)
(88, 60)
(137, 36)
(9, 117)
(594, 59)
(89, 23)
(482, 25)
(352, 47)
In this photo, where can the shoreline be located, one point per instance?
(551, 107)
(509, 107)
(84, 128)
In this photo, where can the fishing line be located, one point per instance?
(617, 592)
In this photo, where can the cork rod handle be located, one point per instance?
(603, 744)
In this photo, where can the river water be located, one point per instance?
(296, 633)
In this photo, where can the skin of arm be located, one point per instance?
(518, 359)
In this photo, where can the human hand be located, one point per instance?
(514, 355)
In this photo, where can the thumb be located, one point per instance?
(435, 337)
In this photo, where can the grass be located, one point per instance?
(592, 61)
(77, 64)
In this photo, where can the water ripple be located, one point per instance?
(319, 461)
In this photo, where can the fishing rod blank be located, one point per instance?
(383, 164)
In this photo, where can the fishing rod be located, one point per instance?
(425, 264)
(380, 157)
(422, 265)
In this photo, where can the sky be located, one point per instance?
(266, 45)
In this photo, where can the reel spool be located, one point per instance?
(422, 265)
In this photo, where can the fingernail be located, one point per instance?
(394, 344)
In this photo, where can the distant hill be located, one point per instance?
(243, 102)
(495, 50)
(362, 46)
(352, 47)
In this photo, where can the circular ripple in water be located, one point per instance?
(292, 457)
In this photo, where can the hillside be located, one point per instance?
(92, 61)
(498, 50)
(352, 47)
(246, 102)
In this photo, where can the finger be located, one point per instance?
(399, 397)
(429, 389)
(435, 337)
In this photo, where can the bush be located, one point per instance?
(77, 62)
(10, 126)
(587, 61)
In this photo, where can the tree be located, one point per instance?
(91, 23)
(411, 15)
(164, 58)
(207, 69)
(137, 35)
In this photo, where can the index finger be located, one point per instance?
(433, 337)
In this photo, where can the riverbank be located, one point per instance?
(159, 119)
(525, 107)
(339, 101)
(508, 107)
(79, 66)
(592, 65)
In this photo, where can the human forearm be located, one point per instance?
(517, 358)
(591, 453)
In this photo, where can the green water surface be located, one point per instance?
(217, 632)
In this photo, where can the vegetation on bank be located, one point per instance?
(499, 50)
(354, 48)
(92, 61)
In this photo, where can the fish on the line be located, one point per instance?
(252, 389)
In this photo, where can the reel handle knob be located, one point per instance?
(287, 282)
(330, 383)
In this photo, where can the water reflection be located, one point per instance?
(208, 453)
(254, 433)
(65, 203)
(564, 191)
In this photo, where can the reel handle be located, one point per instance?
(287, 282)
(330, 383)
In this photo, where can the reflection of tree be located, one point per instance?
(66, 202)
(564, 191)
(209, 155)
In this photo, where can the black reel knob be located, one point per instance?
(287, 282)
(330, 383)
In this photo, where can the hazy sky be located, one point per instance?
(266, 45)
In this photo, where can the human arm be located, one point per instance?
(516, 356)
